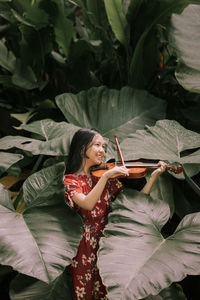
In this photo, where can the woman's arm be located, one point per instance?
(154, 176)
(88, 201)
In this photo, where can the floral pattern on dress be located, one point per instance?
(87, 282)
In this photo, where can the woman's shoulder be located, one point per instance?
(68, 178)
(75, 178)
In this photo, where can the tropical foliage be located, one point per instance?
(135, 247)
(128, 68)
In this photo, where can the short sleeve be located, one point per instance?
(114, 187)
(72, 187)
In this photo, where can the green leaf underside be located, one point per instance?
(134, 258)
(56, 138)
(42, 240)
(112, 111)
(167, 140)
(28, 288)
(7, 160)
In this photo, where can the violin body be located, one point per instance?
(136, 169)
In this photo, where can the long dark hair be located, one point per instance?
(79, 145)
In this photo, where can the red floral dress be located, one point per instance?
(84, 272)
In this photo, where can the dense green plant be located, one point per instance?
(108, 43)
(108, 65)
(163, 139)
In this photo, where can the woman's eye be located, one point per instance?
(98, 145)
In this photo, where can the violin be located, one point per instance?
(136, 169)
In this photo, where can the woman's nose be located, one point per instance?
(102, 149)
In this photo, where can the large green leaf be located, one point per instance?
(117, 20)
(63, 28)
(22, 75)
(111, 111)
(150, 15)
(93, 12)
(35, 45)
(134, 258)
(25, 78)
(36, 17)
(173, 292)
(28, 288)
(63, 34)
(7, 160)
(56, 138)
(185, 39)
(7, 58)
(21, 19)
(42, 240)
(167, 140)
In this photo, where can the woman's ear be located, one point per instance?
(83, 152)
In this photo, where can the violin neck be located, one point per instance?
(139, 165)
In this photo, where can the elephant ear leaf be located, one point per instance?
(173, 292)
(42, 240)
(28, 288)
(110, 111)
(5, 199)
(185, 40)
(53, 138)
(7, 160)
(167, 140)
(134, 259)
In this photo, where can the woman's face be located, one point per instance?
(95, 151)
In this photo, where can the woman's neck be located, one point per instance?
(84, 169)
(80, 172)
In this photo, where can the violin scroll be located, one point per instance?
(176, 170)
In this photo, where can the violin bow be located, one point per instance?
(120, 153)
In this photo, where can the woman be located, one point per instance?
(91, 197)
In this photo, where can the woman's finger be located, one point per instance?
(121, 170)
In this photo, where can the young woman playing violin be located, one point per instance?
(90, 196)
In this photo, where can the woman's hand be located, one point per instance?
(116, 172)
(160, 170)
(148, 186)
(89, 201)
